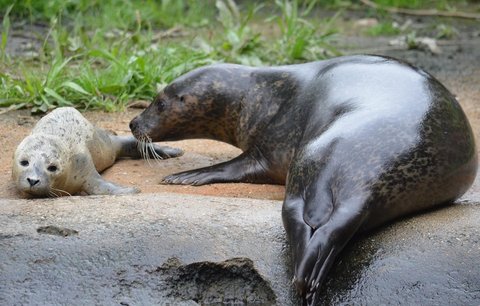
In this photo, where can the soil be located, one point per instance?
(146, 175)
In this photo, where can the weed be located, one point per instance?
(411, 40)
(115, 13)
(386, 28)
(103, 54)
(300, 40)
(239, 42)
(444, 31)
(5, 31)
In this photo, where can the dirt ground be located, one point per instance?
(14, 126)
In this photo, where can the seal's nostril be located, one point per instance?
(32, 182)
(132, 125)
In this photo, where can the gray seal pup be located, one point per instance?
(64, 154)
(358, 140)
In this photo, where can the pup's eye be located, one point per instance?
(52, 168)
(182, 99)
(24, 163)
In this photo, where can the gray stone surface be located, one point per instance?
(179, 249)
(124, 247)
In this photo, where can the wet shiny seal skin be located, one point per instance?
(358, 141)
(64, 154)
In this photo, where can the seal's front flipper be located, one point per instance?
(326, 242)
(96, 185)
(243, 168)
(129, 146)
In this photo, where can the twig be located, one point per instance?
(432, 12)
(8, 109)
(139, 104)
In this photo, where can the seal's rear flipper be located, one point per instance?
(96, 185)
(299, 233)
(316, 248)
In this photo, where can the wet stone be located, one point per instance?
(231, 282)
(57, 231)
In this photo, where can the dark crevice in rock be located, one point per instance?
(56, 230)
(231, 282)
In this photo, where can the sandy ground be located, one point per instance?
(14, 126)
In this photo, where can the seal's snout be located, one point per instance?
(139, 128)
(135, 128)
(32, 182)
(133, 124)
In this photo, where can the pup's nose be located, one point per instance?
(32, 182)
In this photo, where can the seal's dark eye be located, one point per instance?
(182, 99)
(52, 168)
(160, 105)
(24, 163)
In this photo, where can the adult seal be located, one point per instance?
(358, 141)
(64, 154)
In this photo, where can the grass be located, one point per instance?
(5, 32)
(384, 28)
(104, 54)
(120, 14)
(300, 39)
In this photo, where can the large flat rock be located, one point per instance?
(133, 250)
(181, 249)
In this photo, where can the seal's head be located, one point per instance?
(38, 166)
(195, 105)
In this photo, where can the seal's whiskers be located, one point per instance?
(60, 191)
(53, 194)
(143, 143)
(140, 147)
(151, 148)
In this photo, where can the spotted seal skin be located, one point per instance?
(64, 154)
(358, 141)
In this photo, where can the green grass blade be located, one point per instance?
(74, 86)
(55, 70)
(54, 94)
(5, 31)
